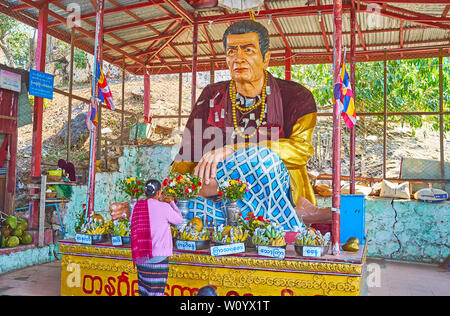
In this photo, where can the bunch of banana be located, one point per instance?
(191, 233)
(174, 231)
(240, 235)
(204, 234)
(259, 237)
(279, 241)
(275, 234)
(229, 234)
(94, 226)
(98, 230)
(121, 228)
(186, 234)
(312, 237)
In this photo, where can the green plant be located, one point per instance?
(80, 59)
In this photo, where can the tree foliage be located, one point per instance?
(412, 86)
(15, 41)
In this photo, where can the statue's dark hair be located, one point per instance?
(249, 26)
(152, 187)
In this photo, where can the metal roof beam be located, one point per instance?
(275, 13)
(137, 24)
(280, 31)
(124, 8)
(208, 39)
(181, 11)
(409, 1)
(447, 8)
(416, 17)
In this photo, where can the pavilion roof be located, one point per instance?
(158, 34)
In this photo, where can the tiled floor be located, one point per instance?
(386, 277)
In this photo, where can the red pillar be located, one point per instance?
(41, 48)
(352, 80)
(194, 64)
(288, 65)
(95, 105)
(146, 96)
(336, 197)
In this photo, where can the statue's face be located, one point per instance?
(244, 58)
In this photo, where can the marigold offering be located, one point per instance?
(233, 190)
(132, 187)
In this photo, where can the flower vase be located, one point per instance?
(131, 203)
(232, 213)
(184, 209)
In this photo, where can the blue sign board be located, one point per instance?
(41, 84)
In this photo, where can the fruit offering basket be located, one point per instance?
(121, 228)
(224, 235)
(311, 243)
(96, 227)
(250, 223)
(193, 233)
(270, 236)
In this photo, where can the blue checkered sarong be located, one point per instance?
(269, 189)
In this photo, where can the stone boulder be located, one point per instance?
(79, 131)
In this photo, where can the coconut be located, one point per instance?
(6, 232)
(23, 224)
(196, 223)
(12, 241)
(11, 221)
(26, 239)
(18, 232)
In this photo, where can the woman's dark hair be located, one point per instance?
(207, 290)
(249, 26)
(152, 187)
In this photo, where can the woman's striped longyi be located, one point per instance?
(152, 278)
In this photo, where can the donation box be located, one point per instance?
(353, 217)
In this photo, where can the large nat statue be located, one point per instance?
(256, 128)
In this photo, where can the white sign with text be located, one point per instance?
(230, 249)
(273, 252)
(186, 245)
(83, 239)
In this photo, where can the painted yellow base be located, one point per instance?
(91, 270)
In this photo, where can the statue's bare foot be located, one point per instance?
(209, 189)
(310, 213)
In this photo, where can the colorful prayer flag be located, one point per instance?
(94, 116)
(104, 92)
(347, 99)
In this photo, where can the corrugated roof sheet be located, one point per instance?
(303, 33)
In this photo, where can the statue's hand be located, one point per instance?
(209, 189)
(207, 166)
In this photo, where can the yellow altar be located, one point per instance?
(104, 269)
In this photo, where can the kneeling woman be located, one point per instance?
(151, 239)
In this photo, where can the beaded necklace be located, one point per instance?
(262, 102)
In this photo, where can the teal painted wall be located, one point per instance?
(22, 259)
(406, 230)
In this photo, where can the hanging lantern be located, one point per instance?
(201, 4)
(241, 5)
